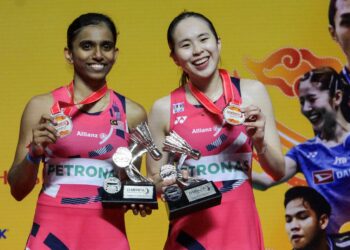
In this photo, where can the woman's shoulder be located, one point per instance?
(135, 114)
(134, 106)
(251, 85)
(41, 101)
(162, 104)
(253, 92)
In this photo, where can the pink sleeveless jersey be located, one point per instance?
(226, 160)
(69, 212)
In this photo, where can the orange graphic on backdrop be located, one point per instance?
(282, 69)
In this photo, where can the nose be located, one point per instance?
(97, 54)
(197, 49)
(306, 107)
(293, 225)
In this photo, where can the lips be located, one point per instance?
(200, 61)
(296, 237)
(314, 117)
(97, 66)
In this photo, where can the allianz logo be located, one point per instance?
(204, 130)
(91, 135)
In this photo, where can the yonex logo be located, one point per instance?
(180, 119)
(3, 233)
(312, 154)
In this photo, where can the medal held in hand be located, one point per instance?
(189, 194)
(233, 114)
(137, 189)
(61, 110)
(64, 125)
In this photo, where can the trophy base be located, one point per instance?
(195, 197)
(131, 193)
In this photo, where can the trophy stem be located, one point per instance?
(171, 158)
(137, 171)
(138, 155)
(133, 146)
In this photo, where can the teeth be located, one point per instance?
(97, 66)
(312, 117)
(200, 61)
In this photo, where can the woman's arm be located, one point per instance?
(35, 129)
(261, 127)
(159, 119)
(135, 115)
(263, 181)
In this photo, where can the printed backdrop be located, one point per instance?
(273, 41)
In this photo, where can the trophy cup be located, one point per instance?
(190, 194)
(137, 189)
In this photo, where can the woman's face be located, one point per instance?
(196, 49)
(302, 225)
(315, 104)
(93, 53)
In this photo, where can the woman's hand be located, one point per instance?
(43, 134)
(255, 124)
(141, 209)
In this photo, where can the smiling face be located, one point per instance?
(315, 104)
(196, 49)
(93, 53)
(302, 225)
(341, 30)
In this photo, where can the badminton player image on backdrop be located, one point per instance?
(307, 216)
(325, 159)
(339, 29)
(75, 129)
(194, 111)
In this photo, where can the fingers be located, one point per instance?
(252, 113)
(185, 173)
(139, 209)
(255, 122)
(162, 197)
(46, 118)
(168, 182)
(43, 134)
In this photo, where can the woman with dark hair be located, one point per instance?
(325, 159)
(74, 130)
(208, 111)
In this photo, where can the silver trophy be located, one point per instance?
(190, 194)
(176, 145)
(138, 189)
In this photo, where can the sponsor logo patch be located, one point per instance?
(323, 176)
(178, 107)
(87, 134)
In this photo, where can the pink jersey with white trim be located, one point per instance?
(77, 164)
(69, 213)
(226, 160)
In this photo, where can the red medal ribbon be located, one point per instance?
(67, 106)
(230, 93)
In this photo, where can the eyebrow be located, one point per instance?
(345, 16)
(188, 39)
(94, 42)
(297, 213)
